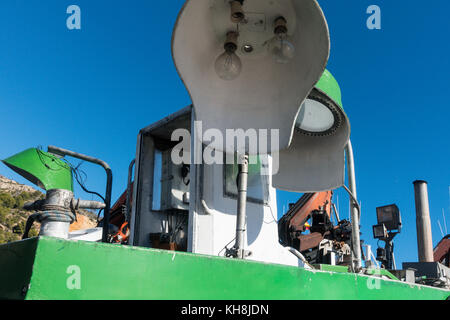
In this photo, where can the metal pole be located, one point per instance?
(393, 260)
(129, 183)
(241, 207)
(64, 152)
(336, 213)
(389, 254)
(355, 214)
(423, 223)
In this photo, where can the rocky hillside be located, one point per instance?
(12, 187)
(13, 218)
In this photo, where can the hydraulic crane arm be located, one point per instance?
(292, 224)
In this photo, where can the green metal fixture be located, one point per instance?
(329, 85)
(49, 268)
(42, 169)
(322, 114)
(315, 159)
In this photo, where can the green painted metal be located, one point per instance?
(328, 267)
(16, 262)
(382, 272)
(329, 85)
(42, 169)
(114, 272)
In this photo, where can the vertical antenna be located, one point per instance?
(393, 261)
(445, 221)
(440, 227)
(349, 212)
(337, 201)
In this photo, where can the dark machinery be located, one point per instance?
(320, 241)
(389, 225)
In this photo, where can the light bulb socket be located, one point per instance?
(280, 25)
(231, 42)
(237, 13)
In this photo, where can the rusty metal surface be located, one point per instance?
(320, 199)
(442, 251)
(294, 220)
(309, 241)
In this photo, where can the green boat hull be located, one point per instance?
(49, 268)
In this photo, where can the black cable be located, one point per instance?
(41, 156)
(226, 246)
(76, 172)
(28, 225)
(98, 215)
(179, 226)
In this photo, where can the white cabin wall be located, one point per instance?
(212, 232)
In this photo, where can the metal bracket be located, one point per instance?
(237, 253)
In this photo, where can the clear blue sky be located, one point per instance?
(92, 90)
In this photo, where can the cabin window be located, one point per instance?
(157, 176)
(258, 185)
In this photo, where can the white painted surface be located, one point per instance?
(266, 95)
(313, 163)
(93, 235)
(214, 228)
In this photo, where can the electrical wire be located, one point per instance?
(271, 211)
(98, 215)
(76, 171)
(77, 174)
(41, 156)
(226, 246)
(273, 216)
(179, 227)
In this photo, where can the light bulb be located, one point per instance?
(228, 64)
(281, 48)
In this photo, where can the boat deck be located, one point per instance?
(50, 268)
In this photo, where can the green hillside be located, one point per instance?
(13, 217)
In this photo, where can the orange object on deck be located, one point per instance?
(294, 222)
(315, 202)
